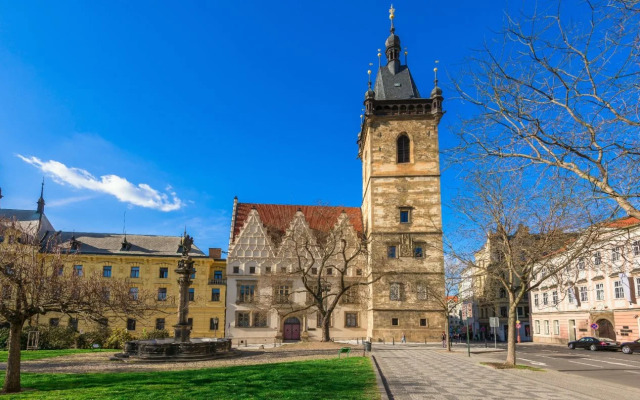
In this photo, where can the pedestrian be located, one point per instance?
(404, 339)
(444, 339)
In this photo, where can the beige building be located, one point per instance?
(400, 215)
(597, 294)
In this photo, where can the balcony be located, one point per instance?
(217, 281)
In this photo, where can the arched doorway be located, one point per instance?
(605, 329)
(292, 329)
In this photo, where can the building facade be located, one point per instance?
(597, 294)
(400, 216)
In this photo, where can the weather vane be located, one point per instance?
(392, 15)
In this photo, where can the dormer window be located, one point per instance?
(403, 143)
(126, 246)
(75, 244)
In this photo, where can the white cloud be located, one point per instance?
(141, 195)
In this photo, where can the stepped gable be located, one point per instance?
(277, 217)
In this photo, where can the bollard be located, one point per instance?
(393, 340)
(425, 340)
(274, 342)
(245, 343)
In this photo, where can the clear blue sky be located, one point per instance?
(199, 101)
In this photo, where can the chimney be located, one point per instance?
(215, 253)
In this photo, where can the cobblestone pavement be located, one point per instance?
(429, 373)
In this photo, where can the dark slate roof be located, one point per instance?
(278, 217)
(399, 86)
(27, 219)
(111, 244)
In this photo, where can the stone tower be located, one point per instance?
(401, 206)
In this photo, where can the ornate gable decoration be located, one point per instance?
(296, 236)
(252, 241)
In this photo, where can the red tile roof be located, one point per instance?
(624, 222)
(277, 217)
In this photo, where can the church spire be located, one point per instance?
(392, 46)
(40, 209)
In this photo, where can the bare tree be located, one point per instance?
(327, 267)
(34, 281)
(522, 223)
(559, 88)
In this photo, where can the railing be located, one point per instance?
(217, 281)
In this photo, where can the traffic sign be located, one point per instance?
(494, 322)
(594, 326)
(518, 326)
(518, 321)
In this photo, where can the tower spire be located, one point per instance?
(392, 15)
(40, 202)
(392, 46)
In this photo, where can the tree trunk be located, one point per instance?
(12, 377)
(326, 337)
(446, 330)
(511, 335)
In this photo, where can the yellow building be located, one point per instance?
(148, 263)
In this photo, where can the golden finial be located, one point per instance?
(435, 73)
(369, 73)
(392, 15)
(379, 54)
(405, 56)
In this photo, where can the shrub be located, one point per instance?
(4, 337)
(155, 334)
(56, 337)
(117, 339)
(88, 339)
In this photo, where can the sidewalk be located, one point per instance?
(432, 373)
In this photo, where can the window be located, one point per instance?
(403, 143)
(526, 312)
(283, 270)
(193, 274)
(135, 272)
(536, 300)
(637, 287)
(599, 291)
(581, 264)
(570, 295)
(417, 252)
(405, 215)
(503, 293)
(584, 295)
(103, 323)
(60, 270)
(395, 291)
(215, 294)
(597, 258)
(252, 270)
(162, 294)
(133, 293)
(267, 270)
(159, 324)
(351, 319)
(546, 327)
(77, 270)
(618, 291)
(556, 327)
(236, 270)
(358, 272)
(545, 298)
(314, 271)
(282, 294)
(217, 275)
(106, 271)
(350, 296)
(329, 271)
(242, 319)
(423, 322)
(555, 297)
(421, 291)
(391, 252)
(245, 294)
(131, 324)
(615, 254)
(73, 324)
(636, 248)
(54, 321)
(259, 319)
(106, 294)
(503, 312)
(192, 294)
(164, 273)
(213, 324)
(537, 327)
(395, 322)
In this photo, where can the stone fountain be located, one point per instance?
(181, 347)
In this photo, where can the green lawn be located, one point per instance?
(347, 378)
(40, 354)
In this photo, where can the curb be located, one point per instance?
(381, 382)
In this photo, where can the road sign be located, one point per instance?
(518, 321)
(594, 326)
(518, 326)
(494, 322)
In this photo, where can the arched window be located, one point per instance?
(403, 149)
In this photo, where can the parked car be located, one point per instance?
(594, 343)
(629, 347)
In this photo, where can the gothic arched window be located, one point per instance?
(403, 149)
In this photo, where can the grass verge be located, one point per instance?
(350, 378)
(497, 365)
(40, 354)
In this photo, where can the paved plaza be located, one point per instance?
(419, 372)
